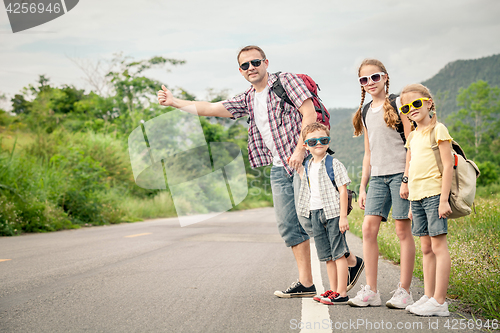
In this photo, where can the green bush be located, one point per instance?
(10, 221)
(489, 173)
(56, 183)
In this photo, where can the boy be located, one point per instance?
(326, 207)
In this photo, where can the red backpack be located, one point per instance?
(322, 115)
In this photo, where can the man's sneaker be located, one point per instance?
(366, 297)
(318, 298)
(401, 299)
(421, 301)
(297, 290)
(354, 273)
(335, 298)
(431, 308)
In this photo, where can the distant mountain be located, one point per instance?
(445, 86)
(338, 115)
(348, 149)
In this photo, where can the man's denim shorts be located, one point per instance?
(384, 193)
(330, 242)
(426, 221)
(285, 194)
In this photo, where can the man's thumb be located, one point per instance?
(163, 87)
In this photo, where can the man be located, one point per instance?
(273, 138)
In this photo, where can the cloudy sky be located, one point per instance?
(326, 39)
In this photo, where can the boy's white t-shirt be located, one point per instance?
(262, 121)
(315, 202)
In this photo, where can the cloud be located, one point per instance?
(326, 39)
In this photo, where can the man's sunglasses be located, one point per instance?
(255, 63)
(314, 141)
(417, 104)
(376, 77)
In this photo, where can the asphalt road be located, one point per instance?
(154, 276)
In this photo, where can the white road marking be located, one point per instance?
(315, 315)
(138, 235)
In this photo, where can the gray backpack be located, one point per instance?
(463, 183)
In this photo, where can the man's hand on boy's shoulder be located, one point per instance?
(343, 224)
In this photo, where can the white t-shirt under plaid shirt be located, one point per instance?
(330, 197)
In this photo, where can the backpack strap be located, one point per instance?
(435, 150)
(399, 127)
(329, 170)
(328, 166)
(278, 89)
(364, 112)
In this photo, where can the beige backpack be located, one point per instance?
(463, 183)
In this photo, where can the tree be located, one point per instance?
(476, 126)
(132, 88)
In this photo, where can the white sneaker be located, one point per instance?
(366, 297)
(431, 308)
(401, 299)
(421, 301)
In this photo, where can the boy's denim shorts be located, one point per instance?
(384, 193)
(330, 242)
(285, 194)
(426, 221)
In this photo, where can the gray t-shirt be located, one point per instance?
(388, 154)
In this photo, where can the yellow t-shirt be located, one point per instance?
(424, 178)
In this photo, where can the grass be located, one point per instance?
(68, 180)
(473, 242)
(148, 208)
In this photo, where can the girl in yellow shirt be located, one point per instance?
(428, 192)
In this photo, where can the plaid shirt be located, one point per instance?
(330, 197)
(285, 124)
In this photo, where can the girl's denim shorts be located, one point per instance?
(383, 194)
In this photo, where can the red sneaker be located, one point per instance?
(318, 298)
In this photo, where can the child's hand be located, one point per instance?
(403, 191)
(444, 209)
(362, 199)
(343, 224)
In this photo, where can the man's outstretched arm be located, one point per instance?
(206, 109)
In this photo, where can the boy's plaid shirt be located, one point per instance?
(330, 197)
(285, 124)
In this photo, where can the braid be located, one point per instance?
(391, 117)
(356, 120)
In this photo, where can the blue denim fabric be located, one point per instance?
(287, 218)
(384, 193)
(426, 219)
(330, 242)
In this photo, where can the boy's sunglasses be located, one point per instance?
(314, 141)
(376, 77)
(255, 63)
(417, 104)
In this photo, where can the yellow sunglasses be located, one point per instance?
(417, 104)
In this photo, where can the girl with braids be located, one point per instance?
(385, 162)
(429, 192)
